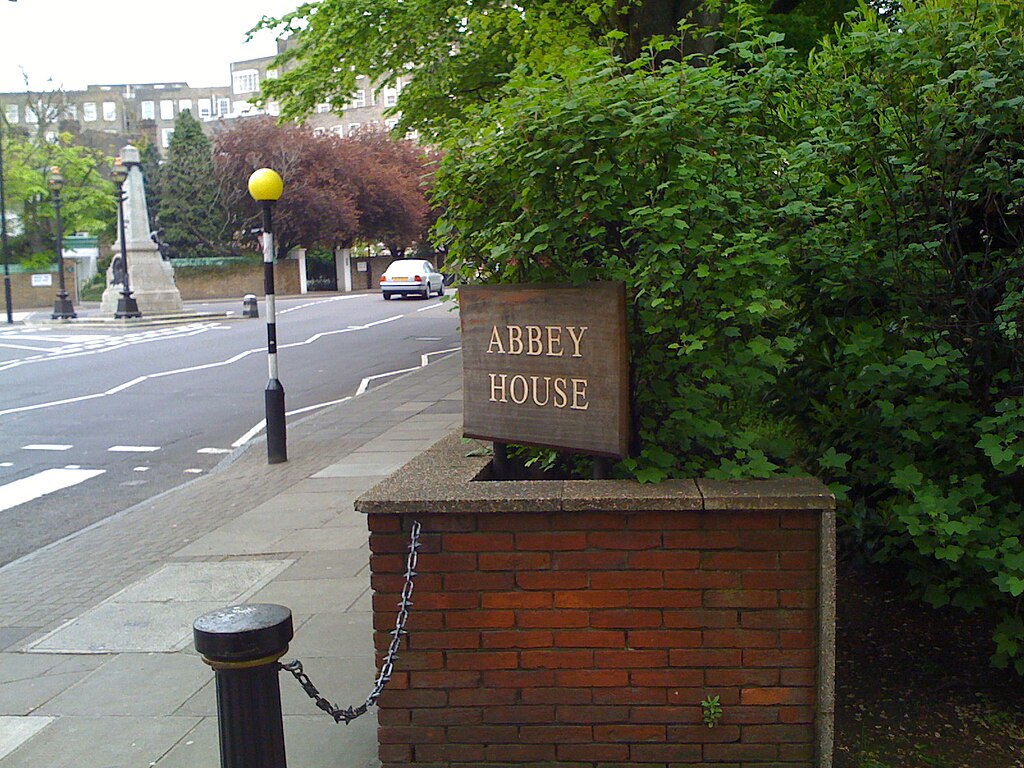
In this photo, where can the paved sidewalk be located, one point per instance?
(97, 668)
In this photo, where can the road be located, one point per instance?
(93, 421)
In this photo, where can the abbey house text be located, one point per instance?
(546, 365)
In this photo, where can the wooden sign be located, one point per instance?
(546, 366)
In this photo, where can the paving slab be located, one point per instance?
(15, 731)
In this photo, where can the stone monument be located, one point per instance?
(150, 278)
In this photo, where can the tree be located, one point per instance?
(87, 200)
(462, 52)
(190, 220)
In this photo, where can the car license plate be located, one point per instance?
(399, 279)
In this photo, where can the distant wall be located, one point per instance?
(25, 296)
(234, 281)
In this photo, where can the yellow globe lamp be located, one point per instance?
(265, 185)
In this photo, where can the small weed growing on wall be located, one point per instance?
(711, 709)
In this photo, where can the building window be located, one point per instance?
(31, 114)
(165, 137)
(71, 111)
(390, 123)
(184, 104)
(272, 74)
(321, 108)
(205, 108)
(89, 112)
(352, 128)
(223, 106)
(166, 109)
(109, 111)
(246, 81)
(11, 113)
(390, 96)
(358, 99)
(148, 110)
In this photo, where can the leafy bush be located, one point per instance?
(666, 179)
(908, 297)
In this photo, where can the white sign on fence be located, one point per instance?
(42, 281)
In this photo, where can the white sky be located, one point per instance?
(80, 42)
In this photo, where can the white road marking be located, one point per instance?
(214, 450)
(141, 469)
(133, 448)
(42, 483)
(45, 447)
(193, 471)
(72, 466)
(6, 463)
(432, 306)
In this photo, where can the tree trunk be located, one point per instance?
(653, 18)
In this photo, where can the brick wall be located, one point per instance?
(586, 639)
(235, 281)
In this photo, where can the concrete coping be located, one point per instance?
(444, 479)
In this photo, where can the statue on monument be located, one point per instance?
(151, 276)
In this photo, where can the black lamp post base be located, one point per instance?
(62, 308)
(127, 307)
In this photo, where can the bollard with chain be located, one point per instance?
(243, 643)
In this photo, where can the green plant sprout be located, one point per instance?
(711, 708)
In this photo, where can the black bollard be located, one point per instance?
(243, 643)
(249, 306)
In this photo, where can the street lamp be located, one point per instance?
(3, 230)
(266, 187)
(126, 305)
(62, 309)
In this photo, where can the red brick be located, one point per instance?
(388, 543)
(557, 696)
(660, 560)
(444, 640)
(447, 523)
(669, 678)
(555, 734)
(665, 753)
(746, 752)
(630, 659)
(777, 580)
(664, 638)
(448, 678)
(518, 639)
(704, 657)
(666, 598)
(519, 753)
(665, 521)
(701, 734)
(482, 734)
(795, 599)
(631, 734)
(595, 678)
(681, 696)
(803, 753)
(444, 562)
(747, 715)
(484, 660)
(552, 541)
(556, 659)
(552, 619)
(399, 753)
(392, 583)
(741, 598)
(621, 695)
(413, 660)
(445, 716)
(790, 638)
(805, 677)
(513, 561)
(479, 542)
(593, 752)
(769, 658)
(592, 599)
(480, 619)
(590, 561)
(742, 519)
(778, 541)
(409, 734)
(413, 699)
(796, 714)
(807, 561)
(740, 638)
(767, 696)
(665, 714)
(432, 601)
(701, 540)
(627, 580)
(625, 619)
(590, 638)
(778, 619)
(383, 523)
(739, 561)
(551, 580)
(592, 714)
(516, 600)
(514, 523)
(482, 697)
(388, 563)
(478, 582)
(519, 678)
(397, 716)
(695, 579)
(633, 540)
(741, 677)
(703, 619)
(595, 521)
(448, 753)
(520, 713)
(778, 734)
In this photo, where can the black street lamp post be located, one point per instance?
(126, 305)
(62, 308)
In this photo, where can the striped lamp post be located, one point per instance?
(266, 186)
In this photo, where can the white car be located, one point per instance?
(411, 277)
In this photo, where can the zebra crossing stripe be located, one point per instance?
(42, 483)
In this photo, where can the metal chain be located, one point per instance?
(349, 714)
